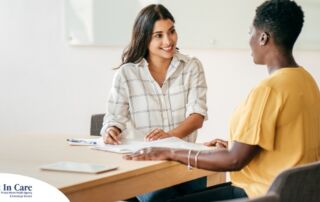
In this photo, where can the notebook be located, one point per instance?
(67, 166)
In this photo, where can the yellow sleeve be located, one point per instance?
(258, 118)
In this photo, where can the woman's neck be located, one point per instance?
(280, 60)
(158, 64)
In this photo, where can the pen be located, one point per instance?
(82, 141)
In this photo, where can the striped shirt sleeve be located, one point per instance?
(118, 105)
(198, 90)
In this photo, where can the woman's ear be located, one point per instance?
(264, 38)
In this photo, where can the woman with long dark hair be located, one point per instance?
(158, 91)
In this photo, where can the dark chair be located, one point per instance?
(96, 124)
(297, 184)
(269, 197)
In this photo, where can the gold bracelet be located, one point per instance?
(189, 164)
(196, 159)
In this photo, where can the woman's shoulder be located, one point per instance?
(121, 71)
(189, 61)
(186, 58)
(128, 68)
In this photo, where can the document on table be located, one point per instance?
(128, 134)
(67, 166)
(130, 145)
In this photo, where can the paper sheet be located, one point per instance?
(129, 145)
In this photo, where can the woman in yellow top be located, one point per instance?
(277, 127)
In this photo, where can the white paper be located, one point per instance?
(129, 145)
(129, 133)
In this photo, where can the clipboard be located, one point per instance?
(68, 166)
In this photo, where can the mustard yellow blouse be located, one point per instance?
(282, 116)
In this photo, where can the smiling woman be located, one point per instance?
(209, 24)
(157, 90)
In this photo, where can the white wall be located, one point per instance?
(230, 77)
(49, 87)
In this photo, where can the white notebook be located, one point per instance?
(68, 166)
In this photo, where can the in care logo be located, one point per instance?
(16, 190)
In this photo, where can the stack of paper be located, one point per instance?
(129, 145)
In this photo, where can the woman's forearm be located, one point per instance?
(218, 159)
(190, 124)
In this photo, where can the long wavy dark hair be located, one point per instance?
(142, 32)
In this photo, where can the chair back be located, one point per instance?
(297, 184)
(269, 197)
(96, 124)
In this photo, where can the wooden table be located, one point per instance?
(24, 154)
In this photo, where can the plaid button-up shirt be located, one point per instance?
(137, 98)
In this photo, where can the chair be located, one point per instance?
(269, 197)
(96, 124)
(297, 184)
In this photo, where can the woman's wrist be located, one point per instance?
(113, 128)
(169, 134)
(172, 154)
(172, 133)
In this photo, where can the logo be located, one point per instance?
(17, 190)
(22, 188)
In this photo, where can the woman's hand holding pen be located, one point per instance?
(112, 136)
(157, 134)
